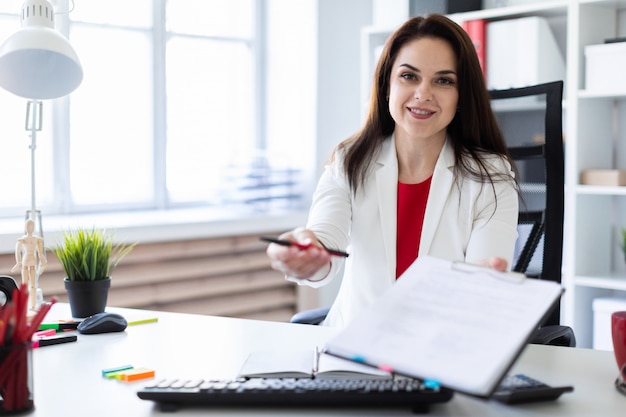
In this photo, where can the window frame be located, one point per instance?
(59, 111)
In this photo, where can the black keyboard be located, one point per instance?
(289, 392)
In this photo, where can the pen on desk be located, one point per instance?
(56, 340)
(44, 333)
(335, 252)
(60, 326)
(316, 360)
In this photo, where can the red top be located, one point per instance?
(411, 207)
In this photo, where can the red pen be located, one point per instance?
(335, 252)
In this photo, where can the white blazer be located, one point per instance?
(461, 223)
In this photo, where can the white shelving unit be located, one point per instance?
(595, 132)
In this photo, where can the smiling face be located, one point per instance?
(423, 93)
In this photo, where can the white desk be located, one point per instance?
(68, 378)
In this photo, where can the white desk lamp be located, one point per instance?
(38, 63)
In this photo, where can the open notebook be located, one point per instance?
(458, 324)
(304, 363)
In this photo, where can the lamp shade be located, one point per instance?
(37, 62)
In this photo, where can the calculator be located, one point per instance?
(520, 388)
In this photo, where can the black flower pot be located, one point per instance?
(87, 298)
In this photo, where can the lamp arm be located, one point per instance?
(34, 112)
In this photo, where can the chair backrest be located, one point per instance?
(531, 121)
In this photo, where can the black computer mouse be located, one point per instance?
(102, 323)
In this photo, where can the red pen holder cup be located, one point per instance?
(618, 332)
(16, 379)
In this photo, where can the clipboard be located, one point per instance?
(460, 325)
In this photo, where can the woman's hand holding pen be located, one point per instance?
(301, 261)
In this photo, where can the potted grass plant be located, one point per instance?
(88, 257)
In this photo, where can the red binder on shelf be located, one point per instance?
(477, 31)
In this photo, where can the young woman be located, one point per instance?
(427, 174)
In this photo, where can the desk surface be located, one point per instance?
(68, 378)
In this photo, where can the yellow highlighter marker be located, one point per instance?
(143, 321)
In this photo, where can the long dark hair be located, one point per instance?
(473, 131)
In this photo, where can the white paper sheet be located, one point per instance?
(458, 324)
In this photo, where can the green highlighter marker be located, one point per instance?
(64, 325)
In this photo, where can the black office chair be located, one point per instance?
(540, 162)
(540, 165)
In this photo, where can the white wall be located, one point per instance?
(338, 102)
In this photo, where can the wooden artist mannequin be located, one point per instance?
(30, 255)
